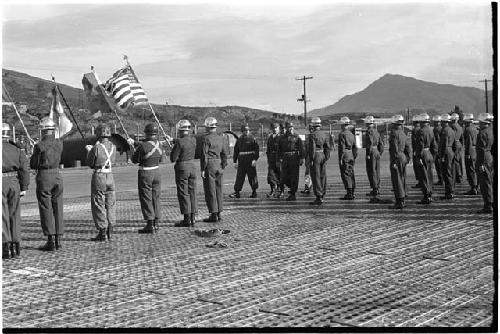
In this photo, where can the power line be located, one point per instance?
(486, 91)
(304, 97)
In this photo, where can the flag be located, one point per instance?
(125, 88)
(58, 116)
(97, 98)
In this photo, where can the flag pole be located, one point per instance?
(32, 142)
(67, 106)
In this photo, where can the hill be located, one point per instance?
(392, 94)
(32, 96)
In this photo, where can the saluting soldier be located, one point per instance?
(470, 140)
(148, 155)
(182, 155)
(426, 148)
(15, 182)
(416, 163)
(213, 160)
(291, 156)
(484, 162)
(458, 147)
(273, 168)
(437, 159)
(447, 155)
(49, 184)
(101, 158)
(245, 155)
(348, 152)
(374, 150)
(400, 154)
(318, 155)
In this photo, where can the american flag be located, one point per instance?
(125, 88)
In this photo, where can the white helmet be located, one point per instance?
(5, 130)
(424, 117)
(436, 118)
(315, 121)
(344, 120)
(47, 123)
(454, 117)
(397, 119)
(211, 122)
(369, 120)
(445, 118)
(468, 117)
(485, 118)
(183, 125)
(414, 118)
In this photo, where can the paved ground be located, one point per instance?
(287, 264)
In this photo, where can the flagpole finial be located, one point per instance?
(125, 57)
(52, 76)
(92, 68)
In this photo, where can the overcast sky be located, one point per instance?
(250, 55)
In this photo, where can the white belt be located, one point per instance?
(148, 168)
(103, 170)
(246, 153)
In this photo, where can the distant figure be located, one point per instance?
(400, 154)
(49, 184)
(447, 155)
(291, 155)
(484, 162)
(416, 162)
(246, 153)
(15, 182)
(318, 155)
(425, 151)
(273, 167)
(457, 147)
(307, 174)
(101, 158)
(437, 159)
(374, 150)
(348, 152)
(470, 142)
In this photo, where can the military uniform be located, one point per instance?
(484, 165)
(15, 178)
(246, 151)
(425, 151)
(416, 162)
(400, 153)
(374, 150)
(318, 153)
(458, 148)
(447, 155)
(213, 160)
(348, 151)
(273, 168)
(291, 155)
(49, 186)
(470, 141)
(102, 198)
(437, 159)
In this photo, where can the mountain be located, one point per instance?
(32, 96)
(393, 94)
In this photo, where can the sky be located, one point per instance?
(250, 53)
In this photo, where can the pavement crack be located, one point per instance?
(209, 301)
(274, 312)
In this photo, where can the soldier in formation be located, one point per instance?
(45, 161)
(400, 154)
(484, 162)
(437, 159)
(447, 156)
(101, 158)
(425, 151)
(273, 167)
(245, 155)
(470, 142)
(348, 152)
(318, 153)
(15, 182)
(374, 150)
(213, 161)
(416, 162)
(148, 155)
(291, 157)
(458, 147)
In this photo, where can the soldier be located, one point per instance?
(484, 162)
(212, 163)
(245, 155)
(447, 155)
(458, 147)
(148, 155)
(185, 173)
(307, 174)
(470, 139)
(15, 182)
(318, 154)
(101, 158)
(416, 163)
(348, 152)
(400, 154)
(374, 150)
(273, 171)
(437, 160)
(49, 184)
(426, 148)
(291, 157)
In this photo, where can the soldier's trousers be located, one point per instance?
(290, 173)
(485, 179)
(470, 170)
(185, 179)
(458, 164)
(417, 168)
(212, 185)
(448, 169)
(425, 172)
(273, 172)
(398, 175)
(103, 199)
(437, 165)
(11, 210)
(149, 185)
(347, 170)
(49, 192)
(318, 174)
(245, 168)
(373, 169)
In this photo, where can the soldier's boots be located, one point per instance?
(306, 191)
(291, 197)
(271, 193)
(109, 231)
(317, 201)
(447, 197)
(236, 194)
(488, 208)
(101, 235)
(213, 218)
(156, 224)
(58, 242)
(398, 205)
(17, 248)
(473, 191)
(6, 250)
(426, 200)
(349, 196)
(254, 194)
(279, 194)
(192, 219)
(49, 246)
(186, 222)
(219, 217)
(149, 228)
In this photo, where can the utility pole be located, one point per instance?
(486, 91)
(304, 98)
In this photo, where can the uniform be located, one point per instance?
(246, 152)
(400, 153)
(15, 178)
(458, 148)
(273, 168)
(437, 159)
(484, 165)
(416, 162)
(374, 150)
(100, 158)
(348, 151)
(447, 155)
(470, 141)
(425, 151)
(318, 153)
(291, 154)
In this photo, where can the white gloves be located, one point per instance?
(130, 141)
(88, 147)
(235, 165)
(22, 193)
(254, 163)
(203, 174)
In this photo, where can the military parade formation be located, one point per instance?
(440, 149)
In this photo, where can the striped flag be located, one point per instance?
(125, 88)
(64, 125)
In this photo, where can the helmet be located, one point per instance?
(47, 123)
(369, 120)
(183, 125)
(454, 117)
(211, 122)
(344, 120)
(415, 118)
(425, 117)
(397, 119)
(151, 129)
(103, 130)
(5, 130)
(315, 121)
(436, 118)
(288, 125)
(446, 118)
(485, 118)
(245, 127)
(468, 117)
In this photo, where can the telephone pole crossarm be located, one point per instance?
(304, 97)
